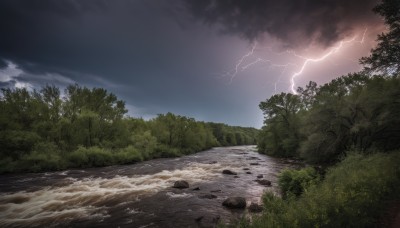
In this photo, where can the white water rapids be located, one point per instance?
(136, 195)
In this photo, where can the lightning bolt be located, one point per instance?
(241, 64)
(309, 60)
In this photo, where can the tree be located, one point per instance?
(385, 58)
(327, 124)
(307, 95)
(281, 132)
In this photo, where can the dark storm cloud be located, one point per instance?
(135, 49)
(91, 36)
(127, 38)
(295, 22)
(3, 64)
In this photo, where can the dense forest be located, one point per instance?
(350, 131)
(321, 124)
(44, 130)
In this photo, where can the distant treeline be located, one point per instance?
(322, 123)
(42, 130)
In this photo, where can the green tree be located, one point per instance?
(281, 131)
(385, 58)
(327, 125)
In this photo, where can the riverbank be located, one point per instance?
(50, 159)
(354, 193)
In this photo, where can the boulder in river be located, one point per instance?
(229, 172)
(217, 190)
(235, 202)
(236, 176)
(246, 169)
(248, 172)
(264, 182)
(196, 189)
(181, 184)
(198, 219)
(255, 208)
(254, 163)
(260, 176)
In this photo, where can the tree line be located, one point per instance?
(321, 123)
(46, 130)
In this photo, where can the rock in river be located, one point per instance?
(181, 184)
(255, 208)
(260, 176)
(264, 182)
(229, 172)
(235, 202)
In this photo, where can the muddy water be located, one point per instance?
(139, 195)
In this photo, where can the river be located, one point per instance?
(139, 195)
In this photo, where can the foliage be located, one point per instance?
(351, 112)
(42, 130)
(294, 182)
(385, 58)
(281, 131)
(351, 195)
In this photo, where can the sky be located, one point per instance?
(214, 60)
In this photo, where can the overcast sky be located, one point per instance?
(211, 60)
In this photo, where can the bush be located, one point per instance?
(164, 151)
(39, 161)
(128, 155)
(16, 143)
(294, 182)
(7, 165)
(352, 195)
(145, 142)
(90, 157)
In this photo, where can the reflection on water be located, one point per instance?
(139, 194)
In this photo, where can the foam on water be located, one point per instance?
(178, 195)
(91, 196)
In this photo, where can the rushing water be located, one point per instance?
(139, 195)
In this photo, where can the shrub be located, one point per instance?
(351, 195)
(145, 142)
(295, 182)
(16, 143)
(7, 165)
(164, 151)
(45, 156)
(128, 155)
(90, 157)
